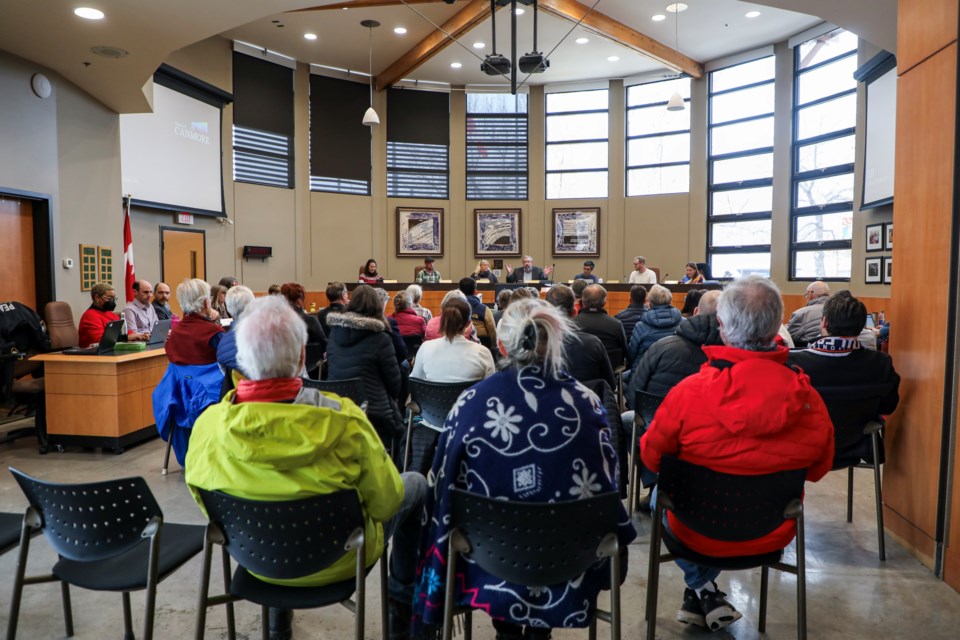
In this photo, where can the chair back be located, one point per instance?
(314, 355)
(413, 343)
(534, 543)
(91, 521)
(416, 271)
(60, 325)
(285, 539)
(726, 507)
(616, 356)
(436, 399)
(347, 388)
(646, 405)
(851, 408)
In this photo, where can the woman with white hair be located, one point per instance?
(416, 293)
(528, 433)
(237, 301)
(195, 338)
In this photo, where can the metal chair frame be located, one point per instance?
(421, 403)
(646, 405)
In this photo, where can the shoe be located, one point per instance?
(644, 503)
(281, 622)
(537, 633)
(717, 612)
(400, 614)
(691, 612)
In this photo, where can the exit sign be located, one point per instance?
(185, 218)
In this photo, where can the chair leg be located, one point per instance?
(849, 494)
(361, 588)
(592, 630)
(199, 630)
(801, 581)
(166, 455)
(20, 571)
(384, 595)
(408, 449)
(231, 621)
(468, 624)
(265, 620)
(878, 493)
(127, 617)
(764, 583)
(67, 609)
(633, 491)
(152, 579)
(450, 588)
(653, 573)
(614, 599)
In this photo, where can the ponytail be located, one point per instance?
(455, 318)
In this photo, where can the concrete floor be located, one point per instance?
(851, 594)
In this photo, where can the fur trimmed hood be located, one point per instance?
(351, 320)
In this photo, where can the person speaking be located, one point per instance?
(528, 273)
(483, 272)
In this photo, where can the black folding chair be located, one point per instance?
(413, 343)
(347, 388)
(734, 509)
(534, 544)
(858, 439)
(10, 526)
(432, 401)
(618, 363)
(110, 536)
(285, 540)
(646, 407)
(315, 351)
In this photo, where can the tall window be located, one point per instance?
(339, 141)
(496, 146)
(262, 122)
(825, 118)
(740, 170)
(658, 141)
(577, 144)
(418, 144)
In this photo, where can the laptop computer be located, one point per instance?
(110, 336)
(158, 335)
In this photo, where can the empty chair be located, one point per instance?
(109, 536)
(58, 317)
(737, 508)
(413, 343)
(347, 388)
(281, 541)
(431, 401)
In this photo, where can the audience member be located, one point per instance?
(238, 299)
(640, 273)
(273, 290)
(369, 273)
(434, 329)
(399, 346)
(140, 315)
(595, 321)
(428, 274)
(487, 435)
(218, 297)
(528, 273)
(483, 272)
(804, 323)
(161, 305)
(584, 356)
(453, 358)
(746, 412)
(416, 294)
(195, 338)
(274, 439)
(587, 274)
(295, 295)
(481, 314)
(659, 321)
(338, 296)
(635, 310)
(228, 282)
(408, 322)
(577, 286)
(503, 300)
(690, 302)
(100, 313)
(692, 274)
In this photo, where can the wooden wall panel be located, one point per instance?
(924, 187)
(923, 28)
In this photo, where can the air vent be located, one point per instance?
(110, 52)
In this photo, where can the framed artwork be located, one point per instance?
(888, 237)
(88, 266)
(576, 232)
(874, 274)
(419, 232)
(888, 270)
(874, 237)
(497, 232)
(105, 264)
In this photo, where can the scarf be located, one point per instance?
(270, 390)
(835, 344)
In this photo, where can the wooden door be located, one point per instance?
(17, 258)
(183, 256)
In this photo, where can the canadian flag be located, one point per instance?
(129, 277)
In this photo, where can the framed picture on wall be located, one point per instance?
(888, 270)
(496, 232)
(888, 237)
(576, 232)
(874, 237)
(873, 273)
(419, 232)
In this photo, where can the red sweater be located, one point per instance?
(410, 324)
(753, 418)
(93, 322)
(194, 340)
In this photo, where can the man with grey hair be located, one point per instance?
(273, 439)
(593, 319)
(804, 324)
(640, 273)
(237, 300)
(416, 293)
(745, 413)
(528, 273)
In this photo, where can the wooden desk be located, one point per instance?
(101, 401)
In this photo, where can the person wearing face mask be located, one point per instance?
(95, 319)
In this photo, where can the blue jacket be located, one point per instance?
(182, 395)
(227, 351)
(658, 322)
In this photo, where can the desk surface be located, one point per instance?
(113, 359)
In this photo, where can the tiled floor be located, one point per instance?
(851, 594)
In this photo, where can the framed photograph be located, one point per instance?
(497, 232)
(419, 232)
(874, 274)
(874, 237)
(576, 232)
(888, 237)
(888, 270)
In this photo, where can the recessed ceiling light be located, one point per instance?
(310, 36)
(520, 11)
(582, 40)
(88, 13)
(479, 45)
(455, 65)
(613, 58)
(400, 30)
(752, 14)
(659, 17)
(676, 7)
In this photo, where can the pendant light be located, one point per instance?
(370, 118)
(676, 100)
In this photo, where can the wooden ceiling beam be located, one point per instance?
(362, 4)
(620, 33)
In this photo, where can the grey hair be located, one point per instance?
(383, 295)
(238, 299)
(453, 293)
(270, 339)
(532, 333)
(416, 292)
(708, 303)
(659, 295)
(531, 258)
(640, 259)
(191, 293)
(750, 312)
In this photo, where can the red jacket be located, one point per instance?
(93, 322)
(194, 340)
(410, 323)
(758, 416)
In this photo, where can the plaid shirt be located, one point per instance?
(432, 277)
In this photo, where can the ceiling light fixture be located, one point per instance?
(582, 40)
(479, 45)
(752, 14)
(613, 58)
(88, 13)
(676, 7)
(676, 100)
(310, 36)
(455, 65)
(659, 17)
(370, 118)
(520, 11)
(399, 30)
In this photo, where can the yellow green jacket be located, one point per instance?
(276, 451)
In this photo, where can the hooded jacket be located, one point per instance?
(658, 322)
(804, 324)
(757, 416)
(670, 360)
(278, 451)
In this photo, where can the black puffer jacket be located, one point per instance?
(674, 358)
(630, 316)
(359, 347)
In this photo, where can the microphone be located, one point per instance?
(665, 276)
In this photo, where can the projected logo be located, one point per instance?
(197, 131)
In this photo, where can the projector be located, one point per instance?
(495, 64)
(533, 63)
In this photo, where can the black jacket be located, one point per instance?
(585, 359)
(673, 358)
(21, 327)
(630, 316)
(536, 273)
(609, 330)
(336, 307)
